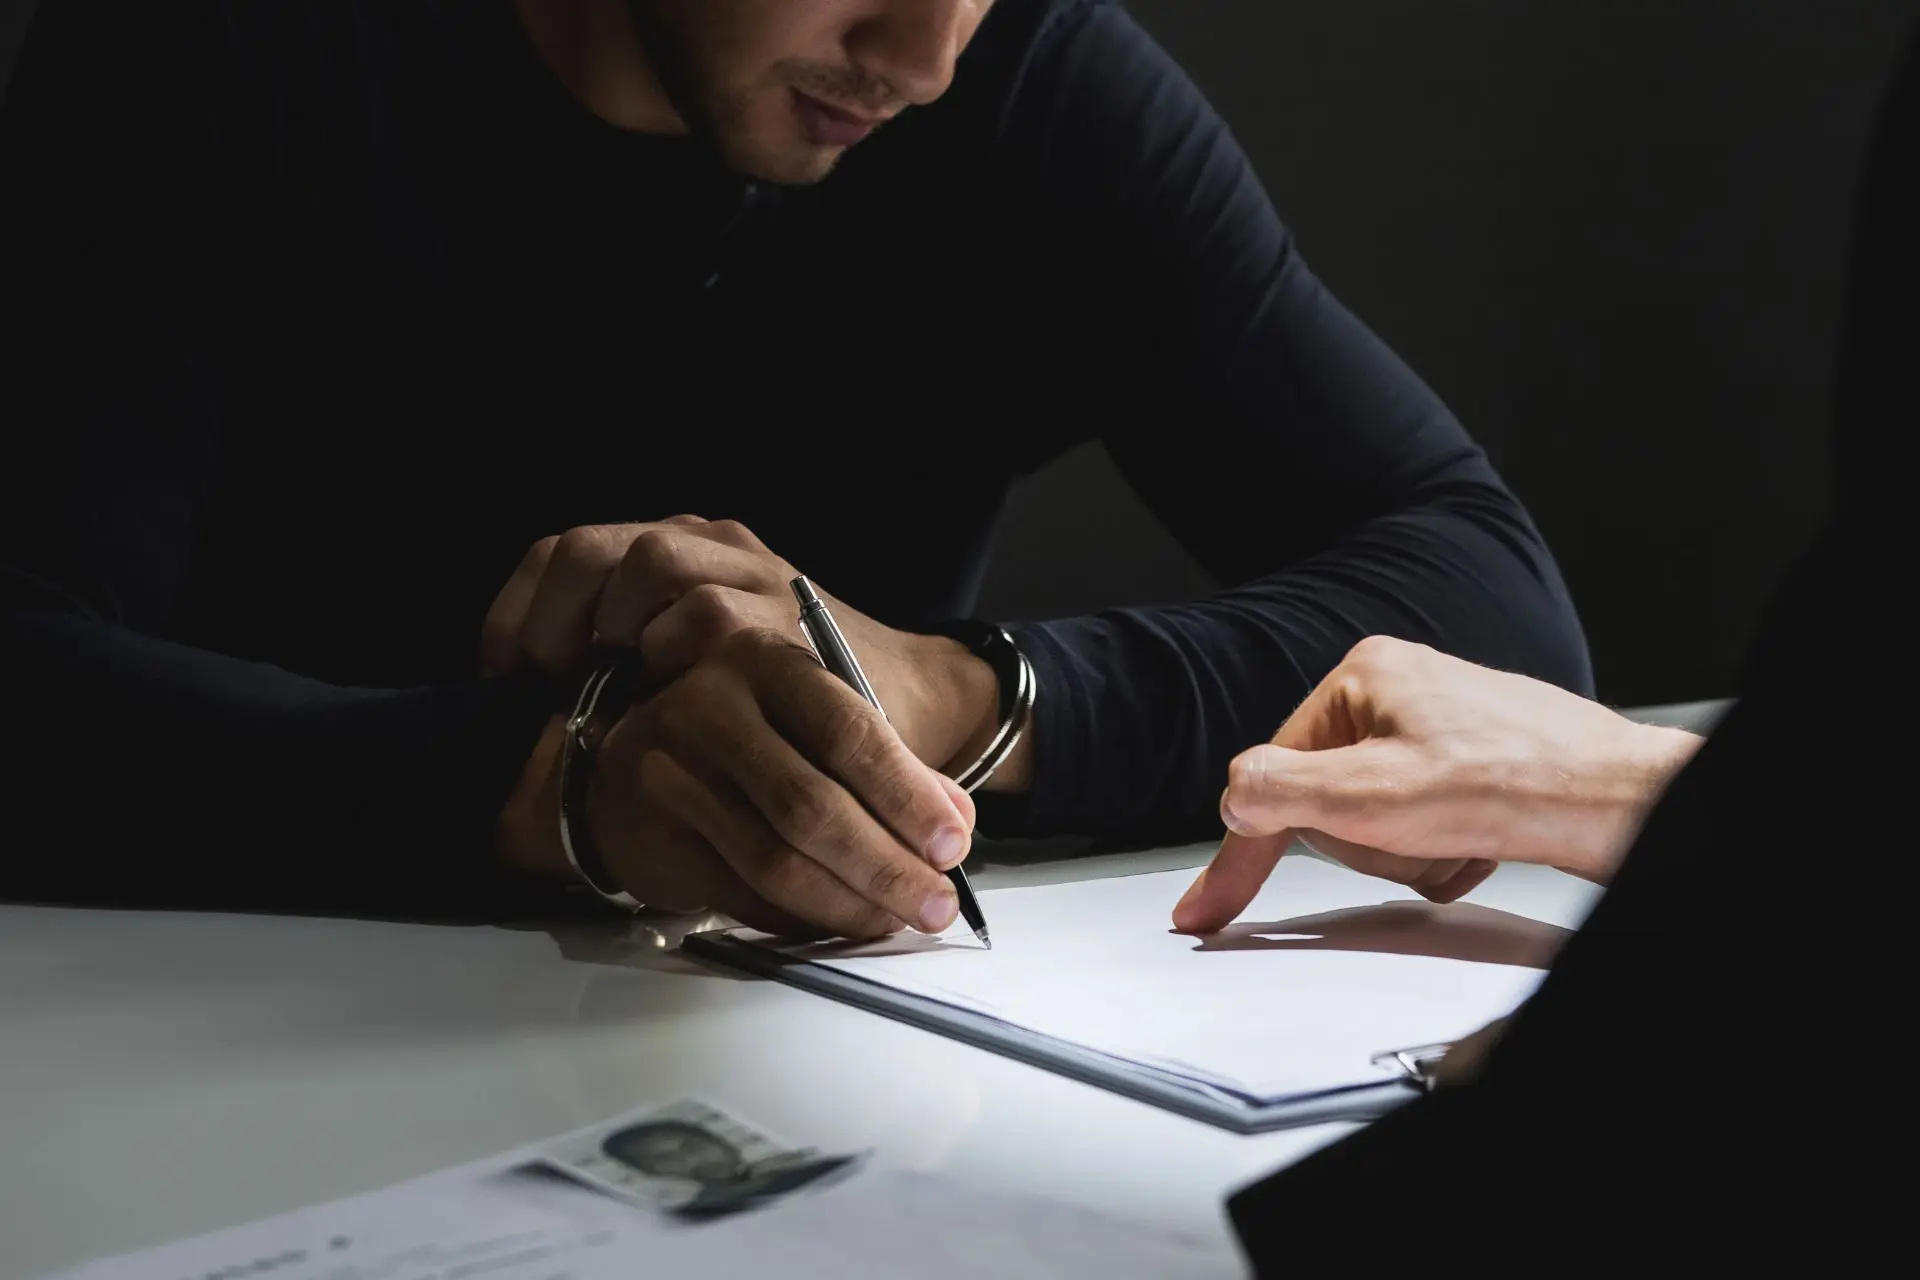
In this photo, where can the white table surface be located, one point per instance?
(167, 1074)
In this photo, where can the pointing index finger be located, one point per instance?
(1229, 883)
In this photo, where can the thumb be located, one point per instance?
(1229, 882)
(1271, 789)
(963, 802)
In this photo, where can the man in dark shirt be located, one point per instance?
(319, 314)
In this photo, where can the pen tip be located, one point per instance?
(985, 940)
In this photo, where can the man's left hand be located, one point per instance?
(675, 589)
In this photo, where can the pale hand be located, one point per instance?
(1426, 770)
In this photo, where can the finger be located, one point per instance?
(1472, 874)
(664, 860)
(1437, 879)
(795, 887)
(668, 865)
(697, 623)
(500, 631)
(662, 565)
(969, 812)
(1223, 890)
(716, 724)
(1354, 792)
(852, 743)
(558, 629)
(690, 877)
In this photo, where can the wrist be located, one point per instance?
(986, 687)
(1649, 758)
(962, 695)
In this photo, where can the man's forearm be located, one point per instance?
(152, 766)
(1141, 710)
(1630, 785)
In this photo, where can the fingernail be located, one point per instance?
(945, 848)
(939, 912)
(1228, 816)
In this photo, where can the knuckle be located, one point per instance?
(714, 607)
(1248, 773)
(897, 796)
(732, 532)
(887, 881)
(540, 552)
(1350, 684)
(655, 556)
(583, 542)
(805, 814)
(1374, 652)
(848, 736)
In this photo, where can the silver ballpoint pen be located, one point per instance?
(831, 648)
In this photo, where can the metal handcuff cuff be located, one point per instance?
(606, 693)
(1018, 687)
(610, 685)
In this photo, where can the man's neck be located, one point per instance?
(590, 47)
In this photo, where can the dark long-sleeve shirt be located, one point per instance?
(315, 314)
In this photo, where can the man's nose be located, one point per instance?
(914, 44)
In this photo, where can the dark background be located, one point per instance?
(1610, 232)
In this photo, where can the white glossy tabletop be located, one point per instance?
(167, 1074)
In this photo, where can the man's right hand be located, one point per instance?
(1424, 769)
(760, 785)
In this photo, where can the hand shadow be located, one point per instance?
(1457, 931)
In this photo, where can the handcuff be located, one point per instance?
(996, 646)
(612, 686)
(605, 696)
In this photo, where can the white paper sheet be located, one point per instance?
(503, 1219)
(1328, 969)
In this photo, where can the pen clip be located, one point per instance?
(829, 646)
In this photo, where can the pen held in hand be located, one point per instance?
(830, 646)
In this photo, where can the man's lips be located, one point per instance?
(833, 126)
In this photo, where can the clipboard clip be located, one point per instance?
(1419, 1064)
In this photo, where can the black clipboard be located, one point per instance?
(1366, 1100)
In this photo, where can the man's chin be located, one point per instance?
(799, 165)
